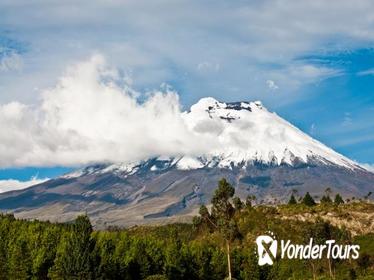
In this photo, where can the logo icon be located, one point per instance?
(266, 249)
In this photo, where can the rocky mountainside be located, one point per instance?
(256, 150)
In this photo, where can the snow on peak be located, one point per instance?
(248, 132)
(205, 103)
(211, 104)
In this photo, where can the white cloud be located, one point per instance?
(11, 185)
(312, 72)
(89, 117)
(162, 41)
(271, 84)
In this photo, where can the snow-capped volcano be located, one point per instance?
(256, 150)
(248, 132)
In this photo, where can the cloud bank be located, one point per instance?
(93, 115)
(220, 48)
(12, 185)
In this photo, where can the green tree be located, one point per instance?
(107, 266)
(73, 259)
(178, 261)
(207, 218)
(45, 241)
(250, 268)
(238, 204)
(292, 200)
(204, 212)
(308, 200)
(338, 199)
(326, 199)
(222, 212)
(19, 260)
(3, 256)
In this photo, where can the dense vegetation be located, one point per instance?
(43, 250)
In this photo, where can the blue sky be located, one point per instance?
(312, 62)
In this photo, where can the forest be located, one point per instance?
(218, 244)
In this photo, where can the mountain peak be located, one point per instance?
(248, 132)
(211, 104)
